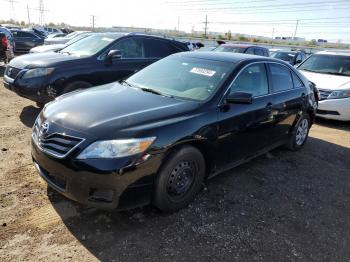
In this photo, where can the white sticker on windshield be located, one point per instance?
(203, 71)
(107, 39)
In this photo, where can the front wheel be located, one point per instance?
(300, 133)
(180, 179)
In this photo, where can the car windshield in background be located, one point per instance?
(77, 38)
(289, 57)
(229, 49)
(327, 64)
(185, 78)
(90, 45)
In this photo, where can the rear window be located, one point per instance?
(158, 48)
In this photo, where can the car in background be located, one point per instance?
(291, 57)
(26, 40)
(206, 48)
(57, 47)
(158, 135)
(55, 35)
(95, 60)
(63, 40)
(330, 71)
(7, 45)
(244, 49)
(52, 30)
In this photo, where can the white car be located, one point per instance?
(330, 71)
(62, 40)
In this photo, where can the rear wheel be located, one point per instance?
(300, 133)
(180, 179)
(74, 86)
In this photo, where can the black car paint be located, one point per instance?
(226, 134)
(26, 40)
(93, 70)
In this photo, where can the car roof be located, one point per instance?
(288, 51)
(243, 45)
(335, 52)
(226, 56)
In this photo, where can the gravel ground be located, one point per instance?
(284, 206)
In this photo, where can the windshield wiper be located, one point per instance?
(309, 70)
(150, 90)
(65, 52)
(335, 73)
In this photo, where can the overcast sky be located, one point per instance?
(317, 18)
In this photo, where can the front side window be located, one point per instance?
(157, 48)
(130, 48)
(183, 77)
(327, 64)
(281, 78)
(258, 51)
(252, 80)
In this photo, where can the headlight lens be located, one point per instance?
(37, 72)
(339, 94)
(116, 148)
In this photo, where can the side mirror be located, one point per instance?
(298, 61)
(113, 54)
(239, 98)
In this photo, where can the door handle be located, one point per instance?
(269, 106)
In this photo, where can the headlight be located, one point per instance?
(37, 72)
(116, 148)
(339, 94)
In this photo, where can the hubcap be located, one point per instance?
(302, 131)
(180, 179)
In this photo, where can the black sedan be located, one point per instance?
(26, 40)
(291, 57)
(95, 60)
(156, 136)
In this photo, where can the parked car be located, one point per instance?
(155, 137)
(94, 60)
(291, 57)
(245, 49)
(55, 35)
(25, 40)
(57, 47)
(63, 40)
(7, 45)
(330, 71)
(52, 30)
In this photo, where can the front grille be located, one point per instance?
(12, 72)
(324, 94)
(55, 144)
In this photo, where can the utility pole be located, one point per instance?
(296, 28)
(12, 8)
(28, 14)
(93, 23)
(206, 26)
(273, 33)
(178, 23)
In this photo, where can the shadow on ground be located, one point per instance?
(29, 114)
(285, 206)
(341, 125)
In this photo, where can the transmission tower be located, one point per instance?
(12, 8)
(41, 12)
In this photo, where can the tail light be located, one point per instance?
(4, 42)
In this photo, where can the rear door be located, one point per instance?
(243, 128)
(286, 101)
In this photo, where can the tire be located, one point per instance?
(77, 85)
(299, 134)
(179, 179)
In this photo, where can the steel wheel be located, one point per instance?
(302, 132)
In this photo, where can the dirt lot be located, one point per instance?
(284, 206)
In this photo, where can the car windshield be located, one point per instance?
(327, 64)
(232, 49)
(90, 45)
(77, 38)
(285, 56)
(182, 77)
(71, 35)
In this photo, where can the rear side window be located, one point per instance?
(297, 82)
(258, 51)
(250, 51)
(281, 78)
(157, 48)
(252, 80)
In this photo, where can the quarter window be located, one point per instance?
(250, 51)
(252, 80)
(130, 48)
(281, 78)
(297, 82)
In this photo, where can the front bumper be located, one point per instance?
(337, 109)
(35, 89)
(88, 182)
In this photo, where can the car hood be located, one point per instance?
(47, 48)
(115, 110)
(327, 81)
(36, 60)
(56, 40)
